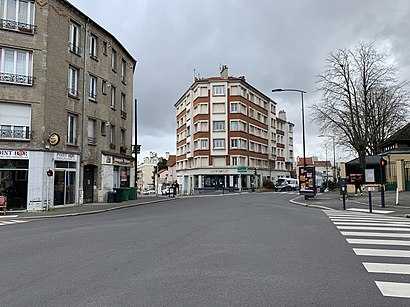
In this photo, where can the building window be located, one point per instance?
(16, 66)
(104, 87)
(104, 128)
(114, 60)
(15, 121)
(234, 161)
(72, 129)
(73, 81)
(123, 71)
(234, 107)
(203, 144)
(219, 125)
(112, 136)
(93, 88)
(105, 48)
(238, 126)
(93, 46)
(234, 143)
(74, 40)
(17, 15)
(122, 137)
(113, 90)
(219, 143)
(218, 90)
(123, 102)
(91, 132)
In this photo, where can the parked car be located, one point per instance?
(149, 192)
(287, 184)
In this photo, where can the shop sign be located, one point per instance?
(14, 154)
(65, 157)
(219, 171)
(54, 139)
(121, 161)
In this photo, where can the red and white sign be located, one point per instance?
(14, 154)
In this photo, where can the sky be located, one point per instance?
(273, 43)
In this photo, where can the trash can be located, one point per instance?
(125, 194)
(111, 197)
(118, 195)
(133, 193)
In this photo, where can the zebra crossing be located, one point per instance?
(10, 220)
(384, 239)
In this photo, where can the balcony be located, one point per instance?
(8, 134)
(18, 79)
(18, 26)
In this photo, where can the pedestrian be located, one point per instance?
(358, 186)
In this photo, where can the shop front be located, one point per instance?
(14, 169)
(65, 179)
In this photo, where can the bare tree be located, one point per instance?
(362, 101)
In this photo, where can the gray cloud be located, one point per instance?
(273, 43)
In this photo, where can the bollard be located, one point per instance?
(370, 201)
(383, 202)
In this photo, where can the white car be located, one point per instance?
(148, 192)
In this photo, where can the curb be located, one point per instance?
(94, 211)
(293, 201)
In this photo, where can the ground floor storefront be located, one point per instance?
(35, 180)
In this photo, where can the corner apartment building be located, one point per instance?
(229, 136)
(66, 92)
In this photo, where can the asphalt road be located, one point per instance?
(242, 250)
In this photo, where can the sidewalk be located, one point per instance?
(89, 208)
(333, 200)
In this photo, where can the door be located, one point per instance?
(88, 184)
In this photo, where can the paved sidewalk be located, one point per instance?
(89, 208)
(333, 200)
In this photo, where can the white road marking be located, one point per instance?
(368, 219)
(374, 234)
(381, 252)
(371, 228)
(394, 289)
(7, 216)
(10, 222)
(372, 224)
(367, 210)
(379, 242)
(388, 268)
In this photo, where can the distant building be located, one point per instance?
(146, 170)
(229, 135)
(66, 92)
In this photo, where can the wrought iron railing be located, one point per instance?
(72, 92)
(71, 140)
(92, 141)
(74, 48)
(123, 114)
(24, 134)
(14, 78)
(18, 26)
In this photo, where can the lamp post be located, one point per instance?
(303, 120)
(334, 153)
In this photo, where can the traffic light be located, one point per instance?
(383, 162)
(49, 173)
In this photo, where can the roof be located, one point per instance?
(172, 160)
(309, 161)
(369, 160)
(402, 135)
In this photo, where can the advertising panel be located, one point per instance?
(307, 181)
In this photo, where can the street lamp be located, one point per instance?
(334, 153)
(303, 120)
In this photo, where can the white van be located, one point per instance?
(287, 184)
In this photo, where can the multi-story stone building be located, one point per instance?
(228, 135)
(66, 92)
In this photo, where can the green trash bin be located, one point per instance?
(133, 193)
(125, 194)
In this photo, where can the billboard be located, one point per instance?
(307, 180)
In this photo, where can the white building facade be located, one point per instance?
(229, 136)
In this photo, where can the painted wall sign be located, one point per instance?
(14, 154)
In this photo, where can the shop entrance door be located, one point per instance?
(64, 187)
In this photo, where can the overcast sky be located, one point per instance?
(273, 43)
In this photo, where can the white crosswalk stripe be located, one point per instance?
(11, 222)
(383, 232)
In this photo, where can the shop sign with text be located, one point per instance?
(14, 154)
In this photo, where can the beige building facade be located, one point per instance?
(229, 135)
(66, 98)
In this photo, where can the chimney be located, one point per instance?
(167, 155)
(224, 72)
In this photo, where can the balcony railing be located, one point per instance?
(72, 92)
(75, 49)
(13, 78)
(15, 134)
(91, 141)
(123, 114)
(18, 26)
